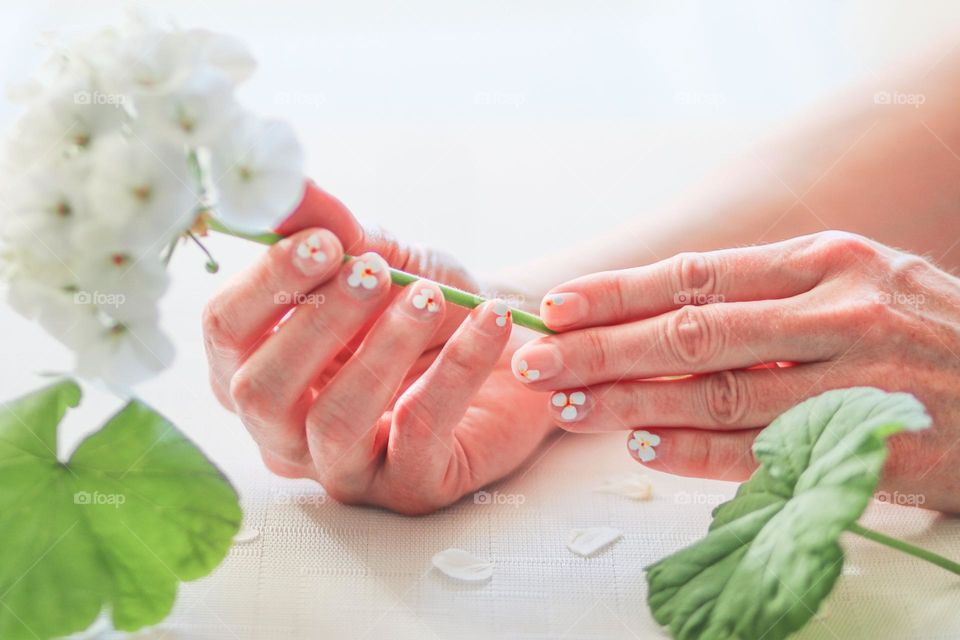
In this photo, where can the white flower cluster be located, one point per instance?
(128, 136)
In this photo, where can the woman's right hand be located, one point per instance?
(386, 396)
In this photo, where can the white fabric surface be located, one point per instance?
(323, 570)
(499, 131)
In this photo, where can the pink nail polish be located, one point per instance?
(537, 361)
(563, 309)
(493, 318)
(365, 276)
(642, 445)
(313, 254)
(423, 301)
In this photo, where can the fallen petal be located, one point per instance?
(461, 565)
(635, 486)
(586, 542)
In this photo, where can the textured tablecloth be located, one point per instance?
(322, 570)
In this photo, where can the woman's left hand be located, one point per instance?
(760, 329)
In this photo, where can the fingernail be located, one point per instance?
(423, 301)
(313, 254)
(364, 276)
(572, 406)
(537, 361)
(563, 309)
(642, 445)
(493, 318)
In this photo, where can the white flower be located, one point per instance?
(66, 122)
(525, 372)
(195, 114)
(124, 353)
(363, 274)
(121, 284)
(426, 299)
(568, 403)
(312, 249)
(643, 442)
(140, 192)
(257, 170)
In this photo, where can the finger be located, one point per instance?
(696, 453)
(704, 339)
(722, 401)
(238, 316)
(770, 271)
(320, 209)
(343, 420)
(426, 414)
(270, 389)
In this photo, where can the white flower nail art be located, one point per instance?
(363, 274)
(555, 300)
(426, 299)
(503, 313)
(525, 372)
(643, 443)
(312, 249)
(568, 403)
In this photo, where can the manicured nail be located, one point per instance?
(493, 318)
(364, 274)
(563, 309)
(423, 301)
(537, 361)
(571, 406)
(642, 445)
(313, 254)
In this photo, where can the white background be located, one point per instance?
(497, 131)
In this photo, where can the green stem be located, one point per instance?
(400, 278)
(906, 547)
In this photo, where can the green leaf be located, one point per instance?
(772, 552)
(136, 510)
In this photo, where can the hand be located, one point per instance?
(760, 328)
(386, 396)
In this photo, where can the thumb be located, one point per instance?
(320, 209)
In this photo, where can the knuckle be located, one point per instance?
(330, 416)
(249, 393)
(695, 275)
(726, 398)
(218, 332)
(596, 347)
(460, 358)
(411, 414)
(842, 248)
(692, 337)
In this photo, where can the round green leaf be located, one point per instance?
(136, 510)
(772, 553)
